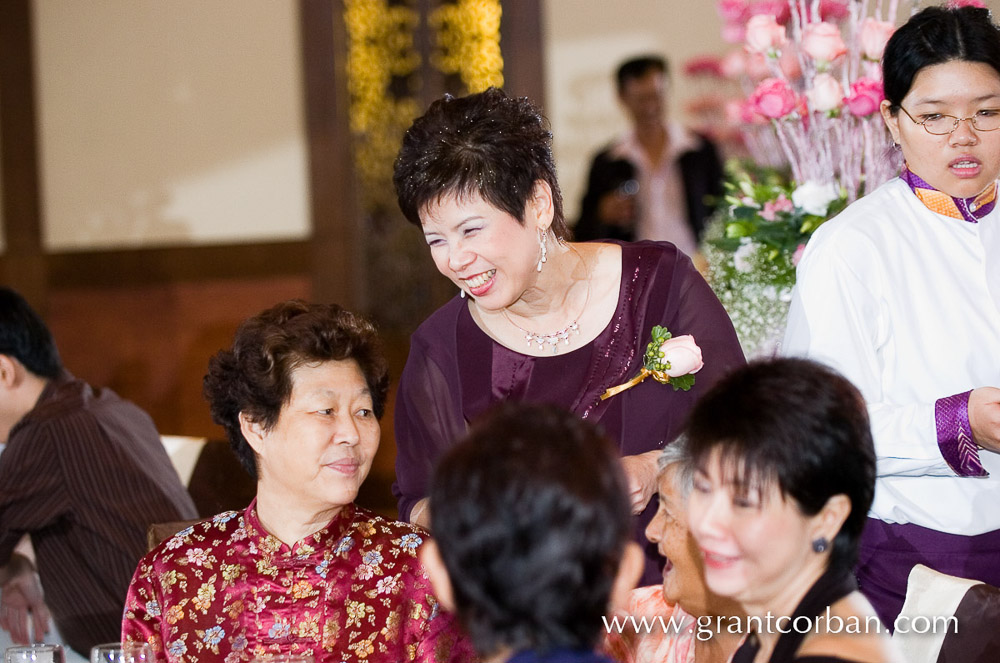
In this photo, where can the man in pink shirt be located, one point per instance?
(653, 182)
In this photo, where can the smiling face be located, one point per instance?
(961, 164)
(483, 250)
(683, 575)
(756, 543)
(321, 448)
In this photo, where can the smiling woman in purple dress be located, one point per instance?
(538, 318)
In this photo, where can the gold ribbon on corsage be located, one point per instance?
(668, 360)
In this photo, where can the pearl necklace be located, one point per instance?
(563, 335)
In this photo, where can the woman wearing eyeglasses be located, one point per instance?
(901, 293)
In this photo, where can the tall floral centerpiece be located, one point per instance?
(810, 70)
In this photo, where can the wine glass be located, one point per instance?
(109, 652)
(137, 652)
(35, 654)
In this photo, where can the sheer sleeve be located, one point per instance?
(837, 317)
(428, 419)
(700, 314)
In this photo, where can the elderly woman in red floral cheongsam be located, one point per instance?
(302, 570)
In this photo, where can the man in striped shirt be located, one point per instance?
(84, 474)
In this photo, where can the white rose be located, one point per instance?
(826, 93)
(815, 197)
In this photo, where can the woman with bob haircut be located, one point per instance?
(303, 570)
(784, 472)
(901, 293)
(530, 550)
(538, 318)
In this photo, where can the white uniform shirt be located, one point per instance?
(895, 297)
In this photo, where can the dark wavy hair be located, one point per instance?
(799, 424)
(531, 515)
(255, 376)
(485, 144)
(933, 36)
(24, 336)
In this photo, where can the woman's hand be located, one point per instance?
(20, 598)
(641, 472)
(984, 417)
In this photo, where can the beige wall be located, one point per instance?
(584, 42)
(165, 123)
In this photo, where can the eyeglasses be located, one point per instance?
(937, 124)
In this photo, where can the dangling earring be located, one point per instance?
(820, 545)
(461, 292)
(542, 237)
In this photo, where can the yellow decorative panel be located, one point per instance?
(468, 34)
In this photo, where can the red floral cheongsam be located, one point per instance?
(225, 590)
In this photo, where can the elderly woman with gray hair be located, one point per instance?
(699, 618)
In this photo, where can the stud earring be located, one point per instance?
(820, 545)
(542, 237)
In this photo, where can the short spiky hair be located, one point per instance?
(255, 375)
(485, 144)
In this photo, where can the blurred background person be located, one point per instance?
(676, 170)
(784, 473)
(84, 474)
(530, 550)
(538, 318)
(302, 570)
(901, 293)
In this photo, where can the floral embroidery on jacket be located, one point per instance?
(225, 590)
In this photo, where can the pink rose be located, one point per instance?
(764, 35)
(874, 35)
(822, 42)
(683, 355)
(866, 97)
(733, 11)
(833, 9)
(955, 4)
(772, 207)
(776, 8)
(797, 256)
(826, 93)
(774, 98)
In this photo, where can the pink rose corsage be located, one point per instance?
(668, 360)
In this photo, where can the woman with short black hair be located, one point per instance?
(784, 473)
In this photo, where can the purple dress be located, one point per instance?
(455, 372)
